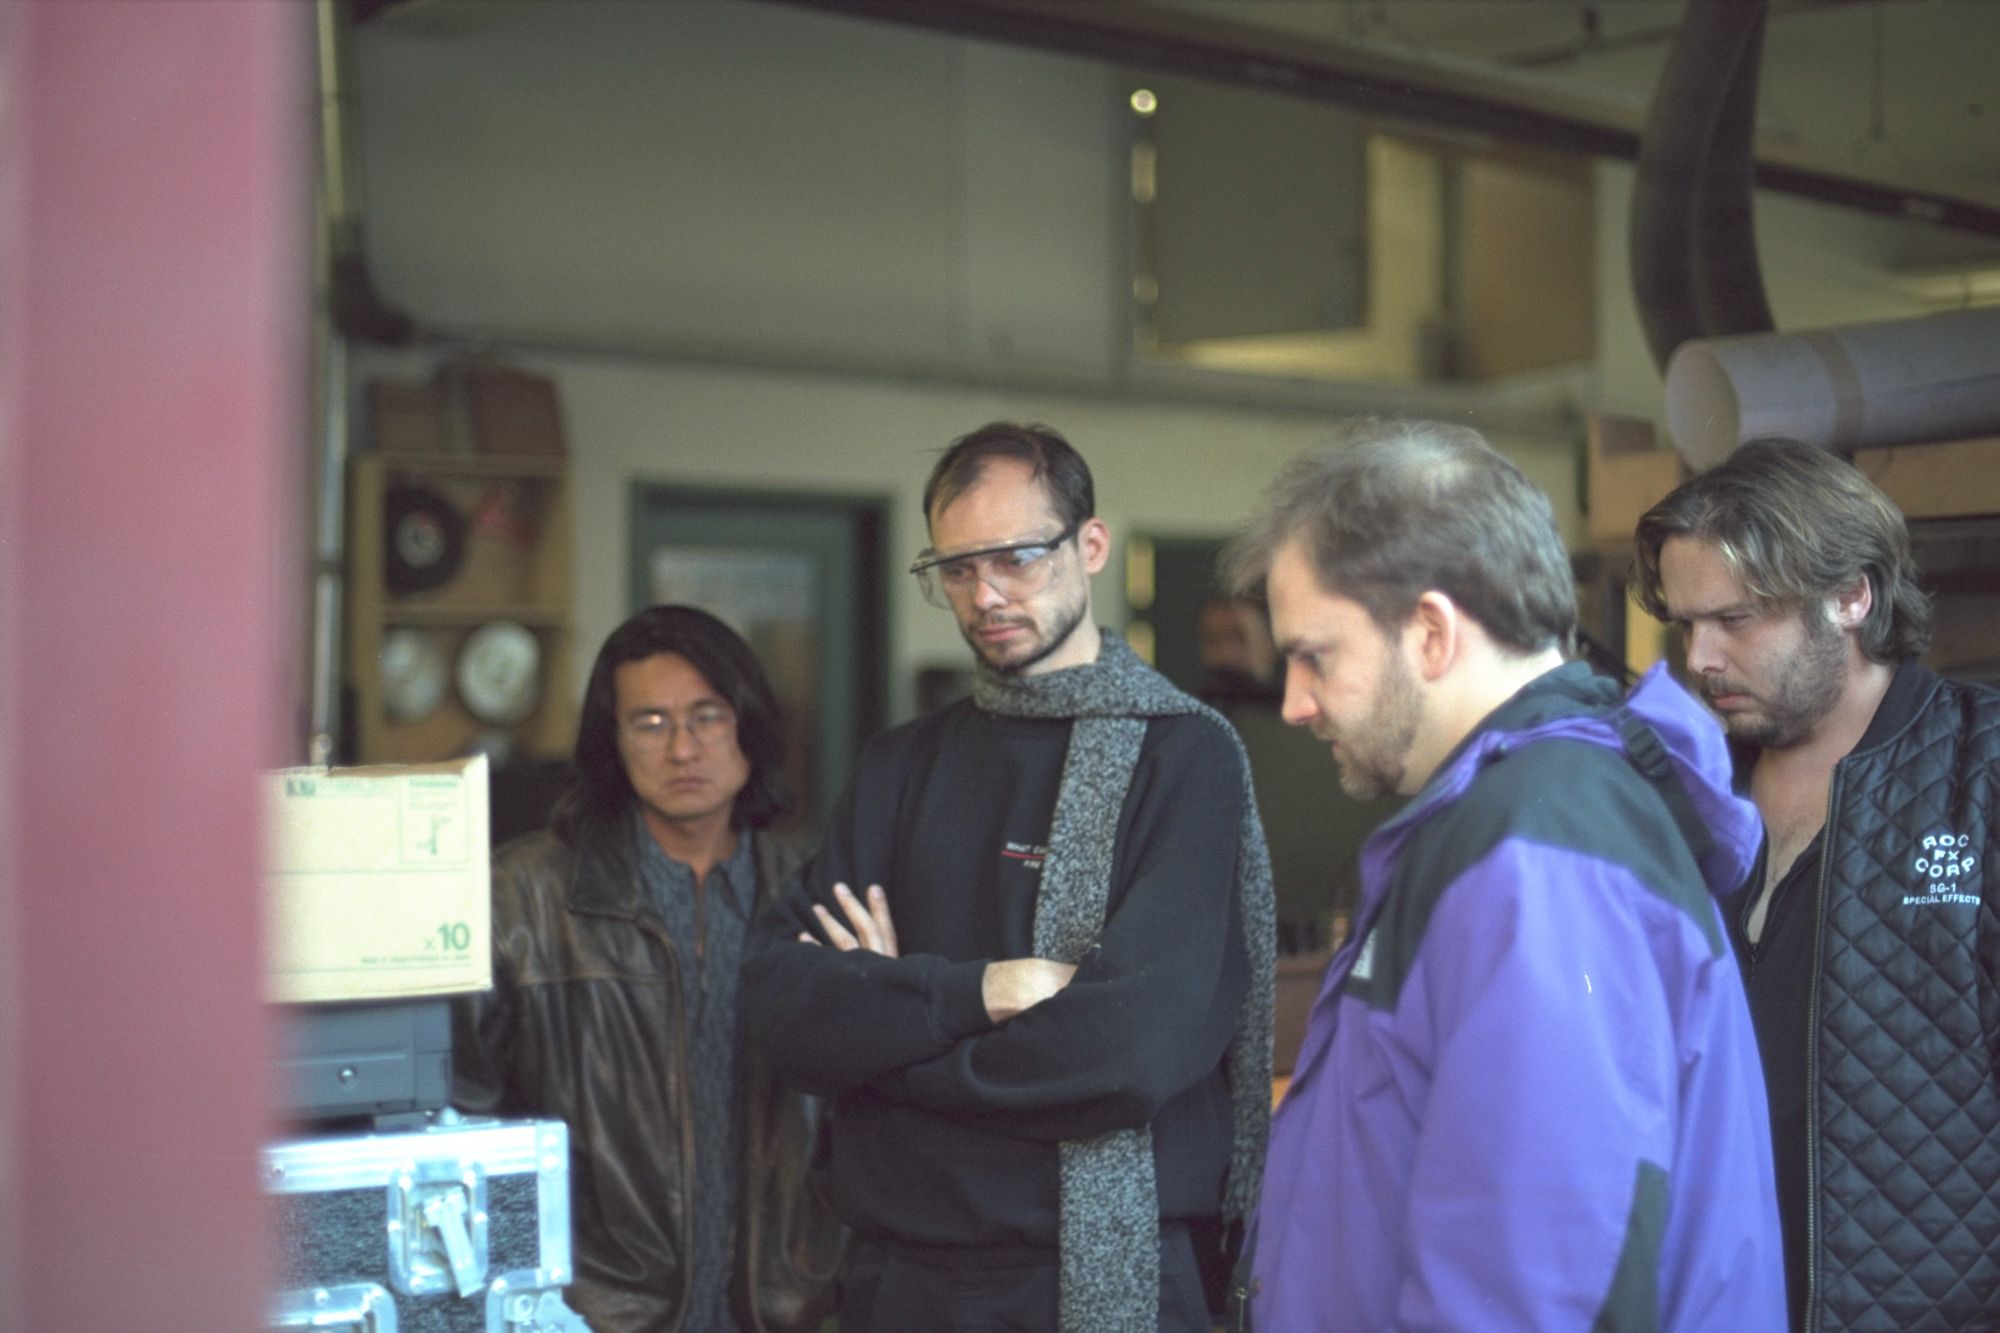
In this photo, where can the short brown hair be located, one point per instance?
(1794, 523)
(1056, 464)
(1394, 509)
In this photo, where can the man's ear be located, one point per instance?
(1435, 634)
(1094, 540)
(1851, 606)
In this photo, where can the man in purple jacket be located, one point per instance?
(1529, 1094)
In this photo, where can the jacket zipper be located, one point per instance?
(687, 1120)
(646, 924)
(1811, 1320)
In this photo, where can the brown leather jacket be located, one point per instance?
(584, 1024)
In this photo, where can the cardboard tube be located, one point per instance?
(1892, 382)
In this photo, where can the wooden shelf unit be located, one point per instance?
(516, 566)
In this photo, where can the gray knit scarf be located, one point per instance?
(1110, 1211)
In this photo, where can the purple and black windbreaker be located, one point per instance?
(1529, 1096)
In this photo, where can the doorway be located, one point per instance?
(801, 578)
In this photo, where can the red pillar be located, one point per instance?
(153, 292)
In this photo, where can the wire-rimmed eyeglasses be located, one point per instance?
(1013, 569)
(655, 730)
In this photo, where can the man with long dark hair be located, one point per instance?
(617, 937)
(1867, 932)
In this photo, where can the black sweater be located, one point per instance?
(945, 1125)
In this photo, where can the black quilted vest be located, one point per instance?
(1904, 1132)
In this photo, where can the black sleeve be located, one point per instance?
(829, 1021)
(1154, 1004)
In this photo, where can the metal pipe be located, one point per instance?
(338, 235)
(329, 547)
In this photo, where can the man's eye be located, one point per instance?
(708, 717)
(649, 722)
(955, 571)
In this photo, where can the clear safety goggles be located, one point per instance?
(1013, 569)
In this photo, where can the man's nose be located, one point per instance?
(984, 595)
(1704, 652)
(1299, 707)
(682, 745)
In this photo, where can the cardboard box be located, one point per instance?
(1626, 473)
(379, 881)
(1945, 479)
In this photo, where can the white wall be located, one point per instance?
(716, 174)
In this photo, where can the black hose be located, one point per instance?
(1729, 280)
(1685, 191)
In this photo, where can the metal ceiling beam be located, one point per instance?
(1592, 42)
(1148, 37)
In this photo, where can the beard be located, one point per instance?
(1802, 692)
(1374, 757)
(1047, 632)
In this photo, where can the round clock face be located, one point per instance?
(423, 539)
(499, 670)
(415, 674)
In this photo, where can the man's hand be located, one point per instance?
(873, 930)
(1008, 987)
(1017, 984)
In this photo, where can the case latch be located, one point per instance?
(437, 1228)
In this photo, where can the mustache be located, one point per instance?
(1711, 686)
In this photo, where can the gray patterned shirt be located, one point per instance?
(707, 922)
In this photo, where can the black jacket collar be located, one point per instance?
(1909, 690)
(1560, 691)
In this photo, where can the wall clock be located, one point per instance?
(499, 672)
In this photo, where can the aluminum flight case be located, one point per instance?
(460, 1227)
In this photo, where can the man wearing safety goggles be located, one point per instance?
(1052, 1065)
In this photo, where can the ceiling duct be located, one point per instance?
(1694, 248)
(1898, 381)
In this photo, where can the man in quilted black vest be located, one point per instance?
(1867, 934)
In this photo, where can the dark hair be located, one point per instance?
(1394, 509)
(1057, 466)
(600, 790)
(1795, 522)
